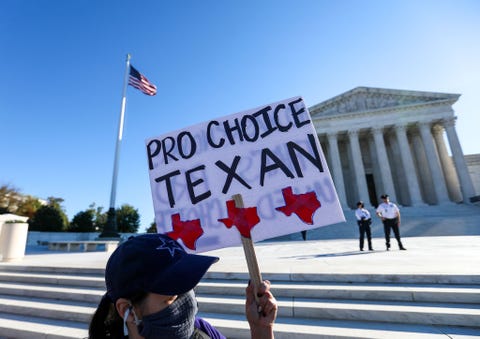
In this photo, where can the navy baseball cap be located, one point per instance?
(153, 263)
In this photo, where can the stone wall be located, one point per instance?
(34, 237)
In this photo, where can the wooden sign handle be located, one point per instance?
(253, 269)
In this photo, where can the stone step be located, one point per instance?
(364, 310)
(235, 327)
(432, 221)
(48, 308)
(460, 279)
(97, 276)
(91, 295)
(28, 327)
(402, 312)
(98, 272)
(310, 305)
(394, 292)
(53, 279)
(376, 291)
(397, 312)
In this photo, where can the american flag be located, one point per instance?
(137, 80)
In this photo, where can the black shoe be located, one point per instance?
(403, 248)
(370, 249)
(361, 249)
(388, 248)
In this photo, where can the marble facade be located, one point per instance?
(473, 164)
(393, 141)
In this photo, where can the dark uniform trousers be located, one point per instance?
(392, 224)
(364, 228)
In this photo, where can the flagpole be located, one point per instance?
(110, 230)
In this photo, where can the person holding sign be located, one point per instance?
(150, 280)
(364, 221)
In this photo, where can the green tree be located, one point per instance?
(57, 204)
(152, 228)
(128, 219)
(29, 206)
(83, 221)
(50, 217)
(100, 217)
(10, 199)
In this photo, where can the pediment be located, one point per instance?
(366, 99)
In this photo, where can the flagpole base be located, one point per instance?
(110, 230)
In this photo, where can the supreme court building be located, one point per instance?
(390, 141)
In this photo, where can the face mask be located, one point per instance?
(175, 321)
(125, 317)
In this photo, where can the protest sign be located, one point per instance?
(269, 155)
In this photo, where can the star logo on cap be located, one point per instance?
(171, 246)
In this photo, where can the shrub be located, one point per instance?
(48, 218)
(83, 222)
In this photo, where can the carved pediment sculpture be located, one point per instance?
(363, 99)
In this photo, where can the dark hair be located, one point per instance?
(106, 322)
(360, 203)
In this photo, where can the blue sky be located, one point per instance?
(63, 65)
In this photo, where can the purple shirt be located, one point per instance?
(206, 327)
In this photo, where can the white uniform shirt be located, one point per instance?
(388, 211)
(362, 212)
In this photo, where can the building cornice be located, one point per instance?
(381, 111)
(368, 100)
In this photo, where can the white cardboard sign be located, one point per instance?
(270, 155)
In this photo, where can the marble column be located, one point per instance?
(337, 168)
(359, 170)
(421, 164)
(439, 186)
(383, 164)
(466, 184)
(408, 166)
(453, 185)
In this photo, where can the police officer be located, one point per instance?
(390, 215)
(364, 221)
